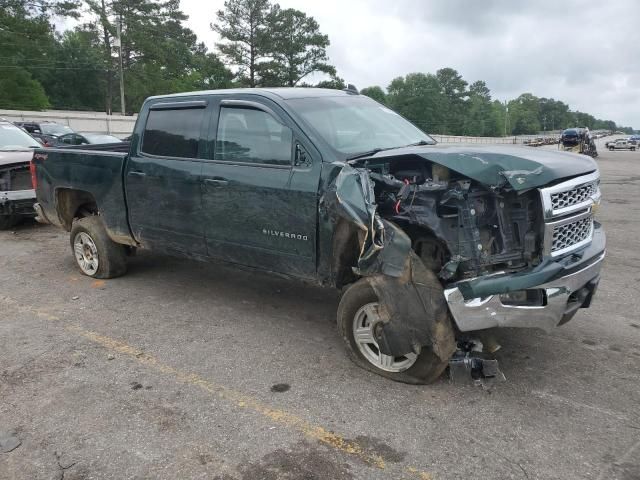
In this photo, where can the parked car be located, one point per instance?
(578, 140)
(47, 132)
(572, 136)
(16, 192)
(622, 145)
(634, 140)
(86, 139)
(429, 244)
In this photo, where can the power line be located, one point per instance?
(40, 67)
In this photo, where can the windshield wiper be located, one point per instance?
(368, 153)
(378, 150)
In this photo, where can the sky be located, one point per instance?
(584, 53)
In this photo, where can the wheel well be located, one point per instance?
(433, 251)
(74, 204)
(346, 250)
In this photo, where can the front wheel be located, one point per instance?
(357, 318)
(95, 253)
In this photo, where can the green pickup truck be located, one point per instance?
(430, 245)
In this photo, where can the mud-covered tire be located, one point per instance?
(7, 221)
(111, 256)
(427, 368)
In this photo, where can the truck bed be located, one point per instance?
(95, 174)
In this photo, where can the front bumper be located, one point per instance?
(17, 202)
(570, 289)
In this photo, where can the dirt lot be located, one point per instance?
(187, 370)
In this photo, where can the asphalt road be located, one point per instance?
(188, 370)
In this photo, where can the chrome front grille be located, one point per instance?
(568, 214)
(573, 197)
(571, 234)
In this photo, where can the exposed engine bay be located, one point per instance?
(465, 225)
(458, 227)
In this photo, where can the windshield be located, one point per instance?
(98, 138)
(357, 124)
(54, 129)
(12, 138)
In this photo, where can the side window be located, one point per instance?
(173, 133)
(252, 136)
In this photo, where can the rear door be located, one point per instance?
(260, 188)
(163, 177)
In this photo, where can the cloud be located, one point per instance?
(583, 53)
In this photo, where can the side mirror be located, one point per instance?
(301, 158)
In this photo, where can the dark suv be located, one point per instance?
(46, 132)
(572, 136)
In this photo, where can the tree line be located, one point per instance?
(445, 103)
(262, 45)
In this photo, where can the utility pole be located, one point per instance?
(506, 116)
(119, 25)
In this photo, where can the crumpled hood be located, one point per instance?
(15, 157)
(496, 165)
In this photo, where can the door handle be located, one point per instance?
(136, 173)
(216, 182)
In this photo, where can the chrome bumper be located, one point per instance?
(489, 312)
(17, 195)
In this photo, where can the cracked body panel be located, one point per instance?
(472, 218)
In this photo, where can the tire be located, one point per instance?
(611, 149)
(422, 369)
(7, 221)
(96, 255)
(633, 149)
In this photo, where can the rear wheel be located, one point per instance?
(7, 221)
(95, 253)
(357, 319)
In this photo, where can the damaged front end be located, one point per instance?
(484, 226)
(16, 192)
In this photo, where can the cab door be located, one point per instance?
(260, 188)
(163, 177)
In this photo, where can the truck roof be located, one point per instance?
(284, 93)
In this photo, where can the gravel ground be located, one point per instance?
(187, 370)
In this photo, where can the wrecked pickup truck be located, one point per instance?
(428, 244)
